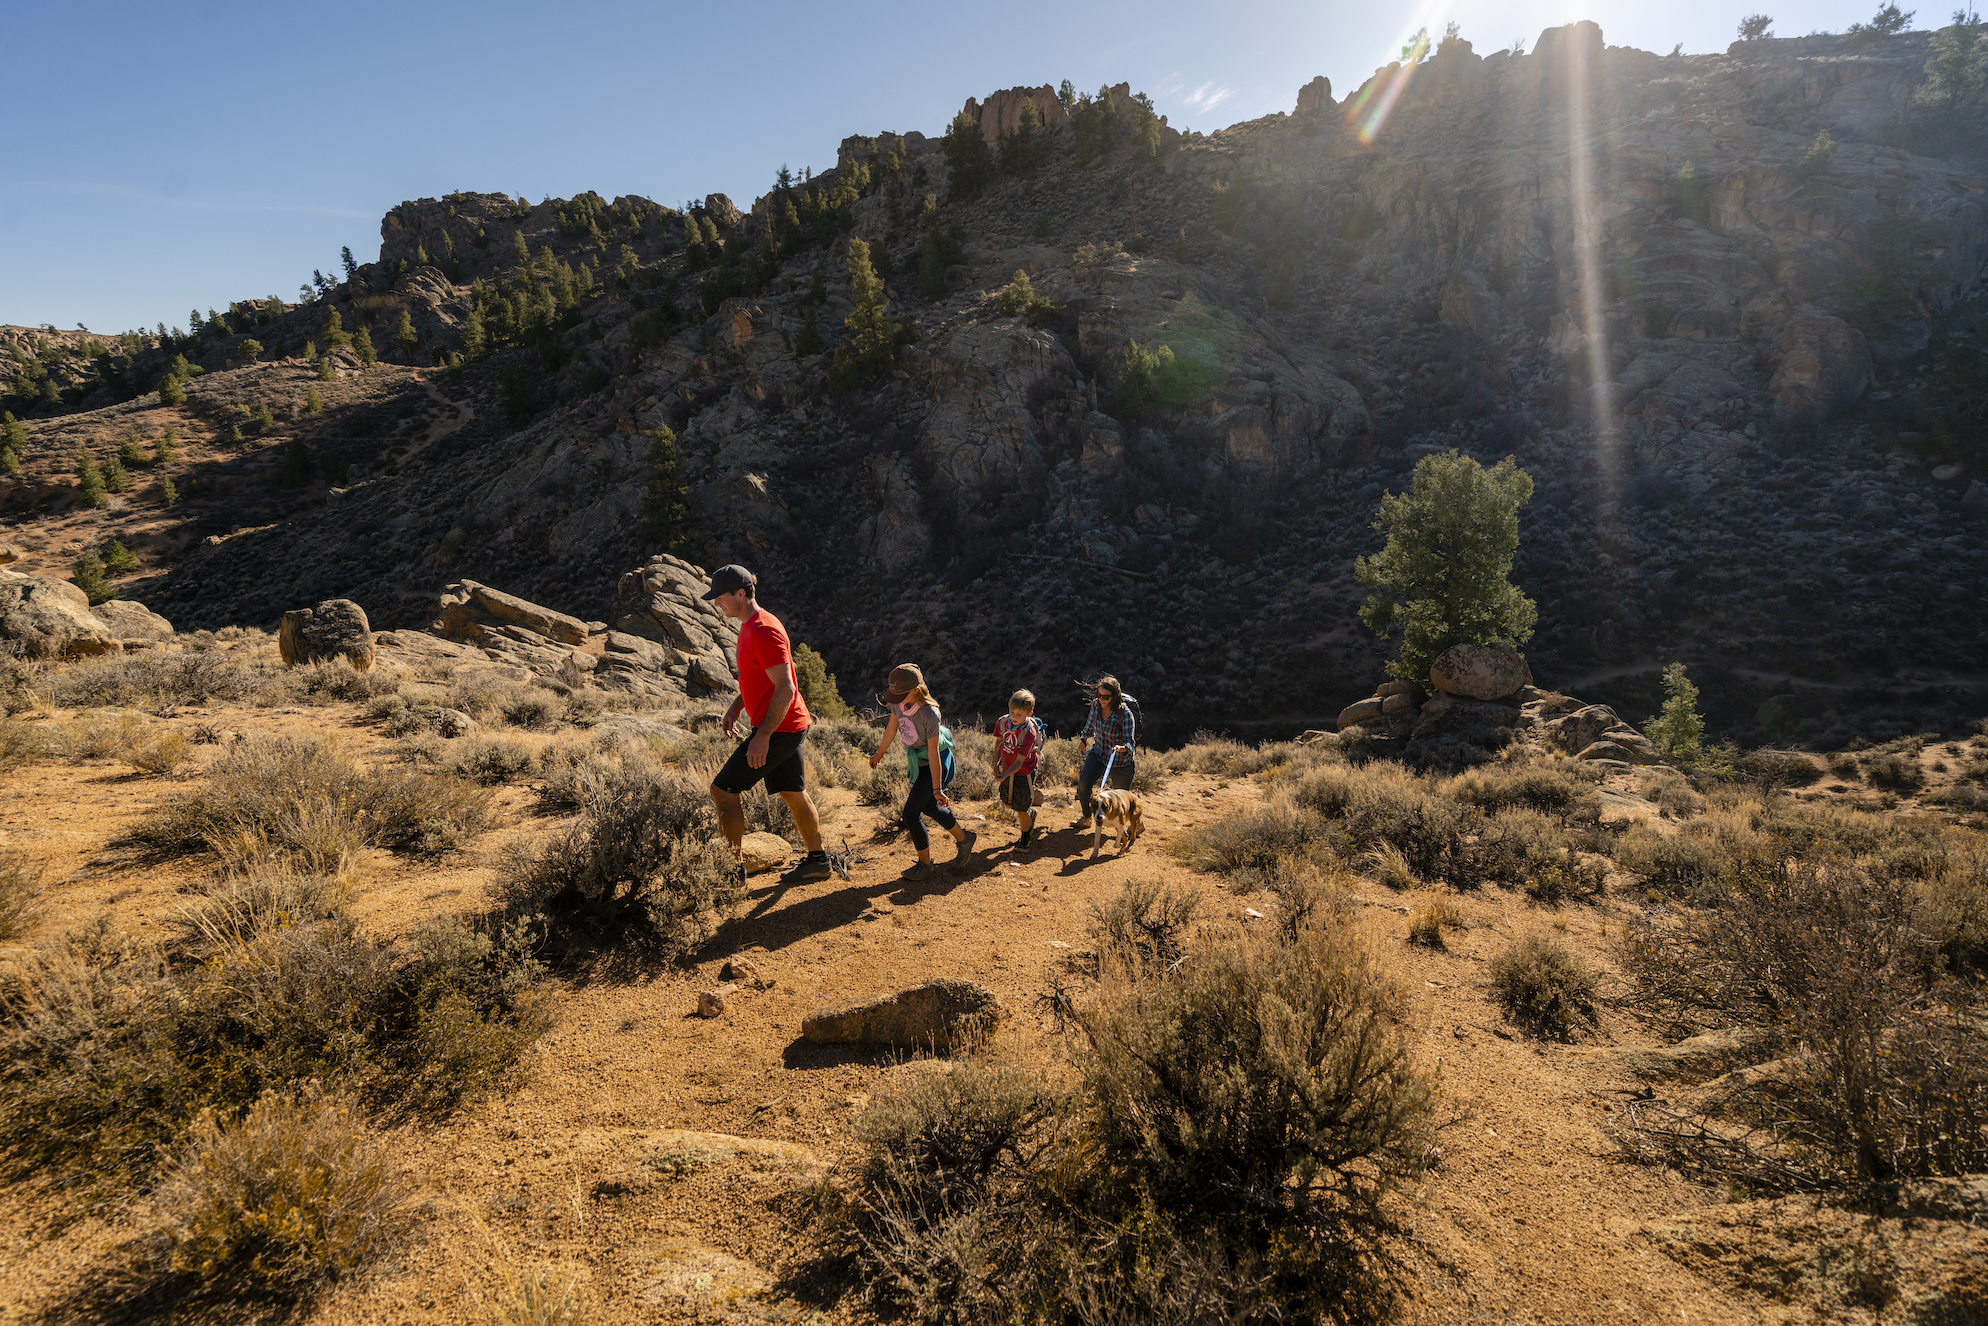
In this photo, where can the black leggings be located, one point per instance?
(921, 803)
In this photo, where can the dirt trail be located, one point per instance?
(1527, 1219)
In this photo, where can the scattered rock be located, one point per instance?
(1388, 688)
(1480, 672)
(467, 610)
(1619, 747)
(453, 723)
(763, 851)
(710, 1004)
(334, 629)
(47, 618)
(1359, 712)
(130, 621)
(938, 1015)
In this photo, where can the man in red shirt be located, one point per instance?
(770, 699)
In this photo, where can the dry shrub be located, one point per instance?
(1549, 786)
(1379, 803)
(337, 683)
(302, 799)
(1677, 864)
(1671, 792)
(24, 742)
(1057, 765)
(97, 736)
(1883, 1063)
(641, 861)
(1147, 919)
(110, 1053)
(1391, 869)
(1896, 771)
(1771, 769)
(293, 1194)
(490, 760)
(885, 785)
(159, 751)
(155, 678)
(1254, 839)
(535, 711)
(1244, 1112)
(238, 911)
(1428, 921)
(20, 894)
(1542, 985)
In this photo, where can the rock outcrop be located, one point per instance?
(938, 1015)
(334, 629)
(135, 625)
(47, 618)
(1480, 672)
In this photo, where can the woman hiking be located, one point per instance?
(1110, 732)
(913, 723)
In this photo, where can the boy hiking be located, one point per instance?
(1018, 738)
(913, 723)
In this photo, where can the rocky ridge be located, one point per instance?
(1714, 354)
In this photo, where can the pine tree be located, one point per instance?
(91, 480)
(312, 401)
(325, 371)
(362, 345)
(117, 479)
(333, 331)
(168, 490)
(931, 266)
(131, 452)
(817, 684)
(711, 233)
(88, 573)
(663, 499)
(1442, 579)
(520, 250)
(1677, 730)
(403, 334)
(474, 338)
(351, 266)
(968, 158)
(170, 391)
(119, 560)
(13, 441)
(265, 419)
(165, 450)
(296, 467)
(808, 341)
(250, 350)
(1018, 147)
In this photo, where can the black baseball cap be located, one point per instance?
(728, 578)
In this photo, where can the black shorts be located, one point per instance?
(1020, 793)
(784, 770)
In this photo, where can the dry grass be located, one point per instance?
(1430, 918)
(290, 1196)
(20, 894)
(1542, 985)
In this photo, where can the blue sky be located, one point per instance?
(160, 157)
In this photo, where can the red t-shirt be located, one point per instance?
(763, 645)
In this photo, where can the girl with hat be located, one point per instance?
(914, 725)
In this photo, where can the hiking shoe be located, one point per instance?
(811, 869)
(738, 874)
(922, 870)
(964, 846)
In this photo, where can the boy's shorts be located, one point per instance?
(1019, 792)
(784, 770)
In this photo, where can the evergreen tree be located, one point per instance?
(13, 441)
(90, 480)
(351, 265)
(817, 685)
(325, 371)
(519, 249)
(1441, 580)
(312, 401)
(1018, 146)
(711, 234)
(117, 479)
(131, 452)
(332, 333)
(664, 508)
(808, 341)
(968, 158)
(168, 490)
(119, 560)
(250, 350)
(88, 574)
(265, 419)
(165, 449)
(474, 339)
(362, 345)
(1677, 730)
(295, 471)
(403, 334)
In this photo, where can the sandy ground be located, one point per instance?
(1529, 1217)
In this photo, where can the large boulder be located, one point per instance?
(662, 602)
(1480, 672)
(1575, 732)
(938, 1015)
(469, 611)
(47, 618)
(334, 629)
(131, 621)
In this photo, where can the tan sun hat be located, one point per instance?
(904, 679)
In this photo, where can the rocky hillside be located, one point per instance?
(1726, 309)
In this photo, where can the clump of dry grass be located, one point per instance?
(1543, 985)
(1430, 918)
(293, 1194)
(302, 799)
(20, 894)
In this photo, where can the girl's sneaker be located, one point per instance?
(965, 845)
(1028, 835)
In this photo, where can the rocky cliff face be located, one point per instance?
(1714, 344)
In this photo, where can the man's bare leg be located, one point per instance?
(802, 808)
(732, 819)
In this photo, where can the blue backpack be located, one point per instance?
(947, 766)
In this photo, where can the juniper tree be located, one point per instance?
(117, 479)
(1677, 730)
(333, 330)
(403, 334)
(119, 560)
(168, 490)
(1442, 578)
(90, 480)
(164, 450)
(351, 265)
(362, 345)
(88, 574)
(873, 332)
(808, 340)
(250, 349)
(1018, 146)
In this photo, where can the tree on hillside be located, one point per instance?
(403, 334)
(817, 683)
(1442, 578)
(333, 330)
(90, 480)
(1887, 22)
(1018, 146)
(968, 158)
(873, 334)
(664, 506)
(351, 264)
(362, 345)
(1755, 27)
